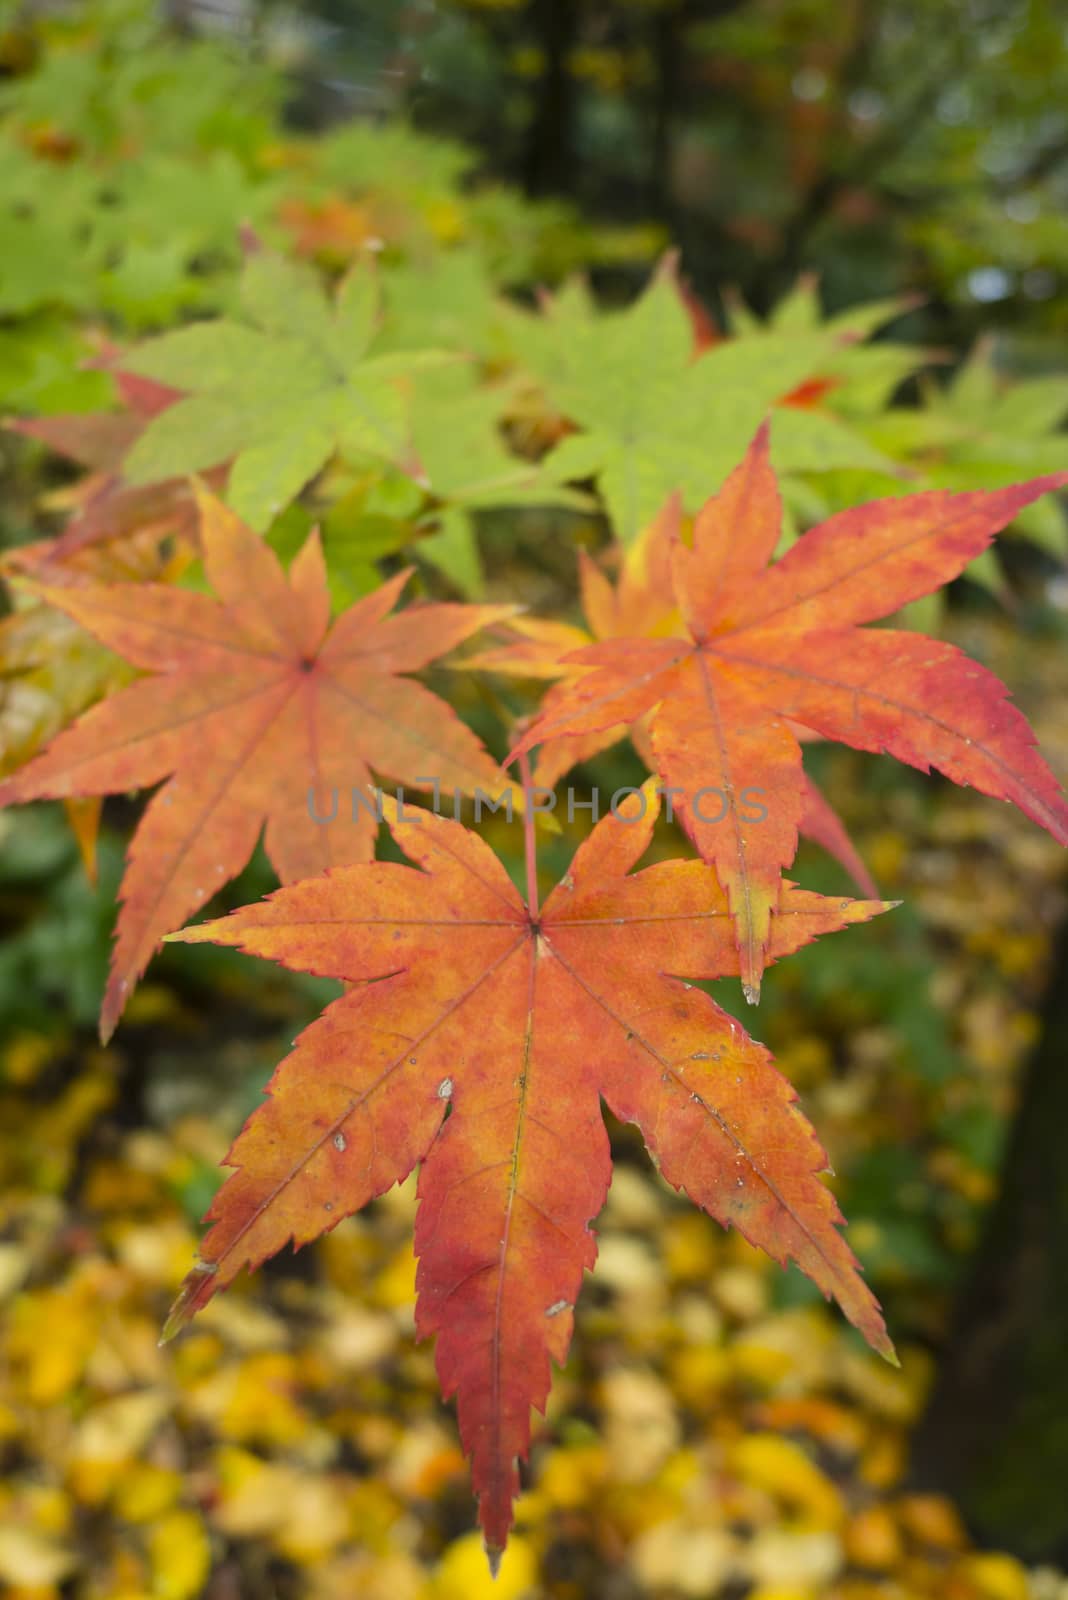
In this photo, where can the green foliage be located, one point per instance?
(654, 418)
(85, 227)
(277, 393)
(982, 431)
(132, 159)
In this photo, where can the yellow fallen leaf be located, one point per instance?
(356, 1338)
(781, 1468)
(883, 1462)
(896, 1393)
(699, 1373)
(25, 1055)
(156, 1252)
(145, 1492)
(933, 1520)
(463, 1573)
(46, 1507)
(413, 1466)
(118, 1430)
(304, 1515)
(569, 1478)
(760, 1365)
(394, 1287)
(872, 1540)
(242, 1323)
(690, 1248)
(686, 1560)
(832, 1424)
(372, 1512)
(633, 1201)
(800, 1344)
(741, 1292)
(777, 1557)
(30, 1560)
(180, 1555)
(356, 1575)
(995, 1577)
(15, 1263)
(51, 1336)
(627, 1266)
(641, 1426)
(783, 1591)
(253, 1400)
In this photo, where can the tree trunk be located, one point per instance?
(549, 163)
(995, 1435)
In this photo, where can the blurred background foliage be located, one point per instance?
(869, 203)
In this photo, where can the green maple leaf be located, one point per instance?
(464, 464)
(178, 201)
(982, 431)
(445, 300)
(861, 377)
(44, 215)
(278, 392)
(39, 264)
(654, 417)
(392, 158)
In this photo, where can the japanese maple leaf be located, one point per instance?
(706, 333)
(255, 711)
(649, 414)
(102, 506)
(767, 646)
(800, 311)
(642, 604)
(480, 1039)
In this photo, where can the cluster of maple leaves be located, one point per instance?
(480, 1031)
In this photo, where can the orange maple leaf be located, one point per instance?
(333, 230)
(770, 646)
(480, 1039)
(641, 603)
(256, 705)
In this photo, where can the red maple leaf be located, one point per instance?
(255, 703)
(480, 1038)
(642, 603)
(770, 646)
(102, 506)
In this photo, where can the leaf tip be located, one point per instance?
(196, 1291)
(762, 438)
(197, 933)
(668, 265)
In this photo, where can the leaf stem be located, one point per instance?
(529, 843)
